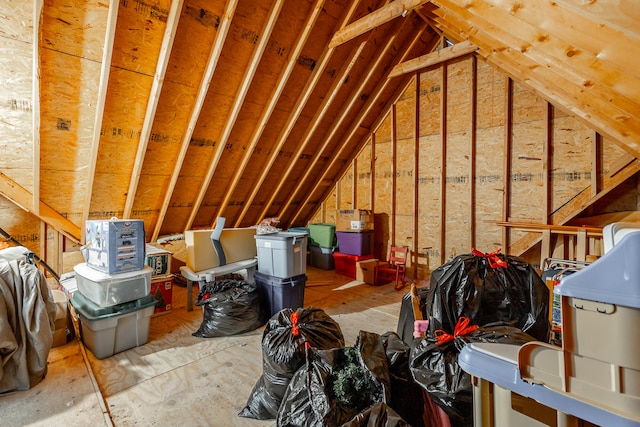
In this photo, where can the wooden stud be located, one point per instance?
(443, 162)
(472, 161)
(508, 133)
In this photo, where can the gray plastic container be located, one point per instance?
(282, 254)
(110, 330)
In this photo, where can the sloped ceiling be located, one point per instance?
(177, 112)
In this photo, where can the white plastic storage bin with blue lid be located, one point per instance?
(109, 330)
(110, 289)
(282, 254)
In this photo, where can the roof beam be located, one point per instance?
(273, 100)
(216, 49)
(341, 117)
(112, 20)
(434, 58)
(235, 110)
(357, 122)
(333, 91)
(22, 198)
(295, 113)
(374, 19)
(152, 105)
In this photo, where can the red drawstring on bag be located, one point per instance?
(462, 328)
(494, 260)
(295, 329)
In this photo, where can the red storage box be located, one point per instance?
(346, 264)
(162, 292)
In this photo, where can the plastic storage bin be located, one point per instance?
(278, 293)
(322, 257)
(110, 289)
(322, 234)
(282, 254)
(109, 330)
(346, 264)
(351, 243)
(114, 246)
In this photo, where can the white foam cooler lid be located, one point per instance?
(614, 278)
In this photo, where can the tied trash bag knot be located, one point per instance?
(494, 260)
(295, 329)
(462, 328)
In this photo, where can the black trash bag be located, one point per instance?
(284, 343)
(488, 288)
(407, 397)
(377, 415)
(231, 307)
(335, 385)
(435, 368)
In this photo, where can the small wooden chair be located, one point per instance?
(394, 268)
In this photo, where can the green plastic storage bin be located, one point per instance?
(322, 234)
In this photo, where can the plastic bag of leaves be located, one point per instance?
(336, 385)
(231, 307)
(284, 341)
(434, 366)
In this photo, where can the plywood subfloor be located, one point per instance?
(177, 379)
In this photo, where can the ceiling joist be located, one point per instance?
(375, 19)
(434, 58)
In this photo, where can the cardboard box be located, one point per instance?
(237, 243)
(162, 292)
(158, 259)
(114, 246)
(354, 220)
(365, 271)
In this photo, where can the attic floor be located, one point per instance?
(177, 379)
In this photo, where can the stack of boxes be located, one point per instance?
(354, 231)
(113, 300)
(161, 278)
(322, 245)
(282, 267)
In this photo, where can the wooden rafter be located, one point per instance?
(295, 113)
(112, 20)
(356, 123)
(434, 58)
(375, 19)
(235, 110)
(336, 86)
(35, 102)
(212, 62)
(373, 68)
(274, 97)
(152, 104)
